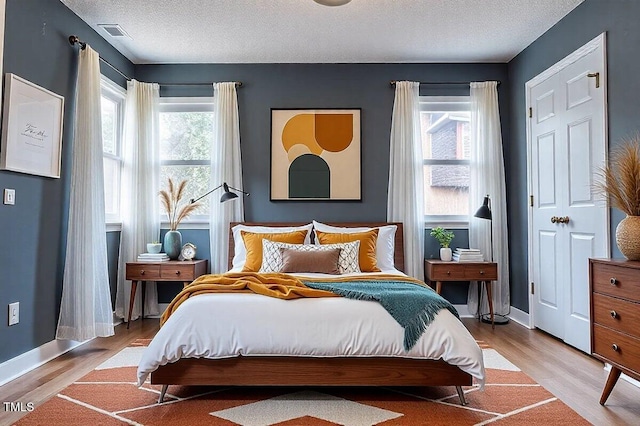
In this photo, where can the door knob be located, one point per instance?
(554, 219)
(564, 219)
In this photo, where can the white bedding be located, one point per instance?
(223, 325)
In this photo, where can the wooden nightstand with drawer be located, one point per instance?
(615, 315)
(172, 270)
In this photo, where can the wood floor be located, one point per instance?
(575, 378)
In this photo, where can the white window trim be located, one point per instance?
(186, 104)
(118, 94)
(450, 104)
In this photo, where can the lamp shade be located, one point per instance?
(484, 212)
(332, 2)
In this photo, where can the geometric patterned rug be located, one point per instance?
(109, 396)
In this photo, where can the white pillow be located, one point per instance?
(240, 251)
(272, 259)
(384, 245)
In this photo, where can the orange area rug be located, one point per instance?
(109, 396)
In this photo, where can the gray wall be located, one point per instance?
(619, 19)
(34, 230)
(365, 86)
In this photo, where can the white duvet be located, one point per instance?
(223, 325)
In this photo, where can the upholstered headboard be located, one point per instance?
(398, 253)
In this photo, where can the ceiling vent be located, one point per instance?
(114, 30)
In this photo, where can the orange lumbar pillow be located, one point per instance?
(253, 244)
(367, 255)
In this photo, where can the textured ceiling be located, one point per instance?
(302, 31)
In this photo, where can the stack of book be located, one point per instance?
(153, 257)
(468, 255)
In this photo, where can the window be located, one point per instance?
(186, 133)
(112, 109)
(444, 122)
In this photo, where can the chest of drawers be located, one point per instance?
(615, 317)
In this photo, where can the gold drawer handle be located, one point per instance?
(613, 281)
(177, 272)
(142, 272)
(448, 272)
(614, 314)
(481, 272)
(615, 347)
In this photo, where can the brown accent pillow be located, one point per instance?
(324, 262)
(368, 240)
(253, 244)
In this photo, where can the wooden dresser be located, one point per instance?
(615, 317)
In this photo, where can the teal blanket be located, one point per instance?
(411, 305)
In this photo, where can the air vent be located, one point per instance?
(114, 30)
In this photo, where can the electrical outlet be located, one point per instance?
(14, 313)
(9, 196)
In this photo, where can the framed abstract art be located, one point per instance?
(315, 154)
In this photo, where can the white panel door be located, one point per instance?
(567, 226)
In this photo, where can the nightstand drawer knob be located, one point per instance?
(142, 272)
(614, 314)
(613, 281)
(615, 347)
(448, 272)
(481, 272)
(177, 272)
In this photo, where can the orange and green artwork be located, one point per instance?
(315, 154)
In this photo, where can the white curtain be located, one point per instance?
(487, 178)
(226, 166)
(85, 310)
(139, 192)
(406, 176)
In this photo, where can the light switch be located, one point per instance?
(9, 196)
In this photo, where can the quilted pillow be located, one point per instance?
(367, 255)
(323, 261)
(272, 255)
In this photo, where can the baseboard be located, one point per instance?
(623, 376)
(518, 316)
(22, 364)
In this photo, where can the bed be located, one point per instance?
(445, 355)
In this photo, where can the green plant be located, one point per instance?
(443, 236)
(619, 180)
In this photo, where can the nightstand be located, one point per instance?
(439, 271)
(172, 270)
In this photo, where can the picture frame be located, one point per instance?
(316, 154)
(31, 128)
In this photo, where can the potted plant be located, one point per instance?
(619, 182)
(444, 237)
(176, 212)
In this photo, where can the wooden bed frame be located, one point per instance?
(314, 371)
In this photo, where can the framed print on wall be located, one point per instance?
(31, 128)
(315, 154)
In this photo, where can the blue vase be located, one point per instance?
(173, 244)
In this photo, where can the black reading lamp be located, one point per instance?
(484, 212)
(226, 196)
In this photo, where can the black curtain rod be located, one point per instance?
(73, 39)
(444, 83)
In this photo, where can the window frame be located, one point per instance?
(186, 104)
(118, 95)
(449, 104)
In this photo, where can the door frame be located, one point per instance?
(597, 42)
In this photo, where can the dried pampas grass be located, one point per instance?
(619, 181)
(170, 200)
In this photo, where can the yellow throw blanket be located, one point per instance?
(281, 286)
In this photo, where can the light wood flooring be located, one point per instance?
(575, 378)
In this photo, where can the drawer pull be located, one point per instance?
(481, 272)
(142, 272)
(177, 272)
(448, 272)
(614, 314)
(615, 347)
(613, 281)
